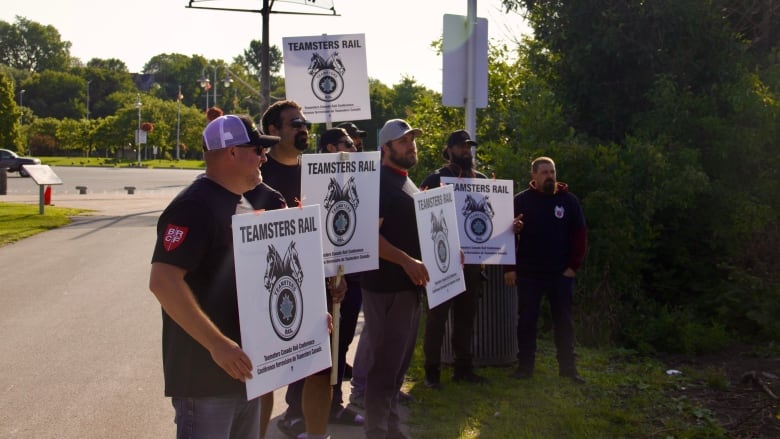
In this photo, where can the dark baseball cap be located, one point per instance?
(352, 129)
(456, 138)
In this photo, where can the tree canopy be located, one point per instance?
(31, 46)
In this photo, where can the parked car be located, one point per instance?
(13, 162)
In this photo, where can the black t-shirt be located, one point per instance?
(194, 232)
(284, 178)
(265, 197)
(399, 227)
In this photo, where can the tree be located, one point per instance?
(103, 77)
(56, 94)
(111, 64)
(251, 59)
(32, 46)
(9, 115)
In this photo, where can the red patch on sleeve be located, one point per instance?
(174, 237)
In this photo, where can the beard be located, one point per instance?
(403, 162)
(301, 142)
(549, 186)
(463, 162)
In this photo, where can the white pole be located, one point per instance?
(138, 132)
(178, 121)
(215, 85)
(471, 105)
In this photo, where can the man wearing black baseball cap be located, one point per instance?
(193, 278)
(464, 305)
(356, 134)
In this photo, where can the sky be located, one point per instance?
(398, 33)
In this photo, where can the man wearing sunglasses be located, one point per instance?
(283, 170)
(203, 363)
(357, 135)
(308, 400)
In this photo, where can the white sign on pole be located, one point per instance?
(456, 34)
(281, 296)
(328, 76)
(485, 215)
(140, 137)
(347, 186)
(439, 243)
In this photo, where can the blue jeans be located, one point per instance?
(230, 416)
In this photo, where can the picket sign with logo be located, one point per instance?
(439, 243)
(485, 215)
(328, 76)
(346, 186)
(281, 296)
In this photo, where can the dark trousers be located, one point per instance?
(464, 310)
(560, 293)
(391, 322)
(350, 308)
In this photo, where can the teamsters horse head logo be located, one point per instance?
(283, 278)
(478, 218)
(441, 245)
(327, 82)
(341, 204)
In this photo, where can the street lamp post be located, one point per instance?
(138, 132)
(207, 84)
(178, 121)
(21, 112)
(88, 82)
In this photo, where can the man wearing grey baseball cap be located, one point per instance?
(391, 294)
(193, 278)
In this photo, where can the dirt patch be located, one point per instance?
(739, 388)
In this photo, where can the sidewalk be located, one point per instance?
(121, 204)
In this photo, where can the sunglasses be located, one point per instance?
(298, 122)
(259, 150)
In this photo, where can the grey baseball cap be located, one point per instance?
(394, 129)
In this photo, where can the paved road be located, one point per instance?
(80, 345)
(107, 181)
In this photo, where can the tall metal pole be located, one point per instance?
(21, 113)
(138, 132)
(178, 121)
(88, 82)
(471, 103)
(215, 85)
(265, 59)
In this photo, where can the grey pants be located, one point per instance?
(391, 323)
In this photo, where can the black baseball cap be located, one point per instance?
(456, 138)
(352, 129)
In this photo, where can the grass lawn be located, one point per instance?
(114, 163)
(625, 397)
(22, 220)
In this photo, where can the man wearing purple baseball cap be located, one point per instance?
(193, 277)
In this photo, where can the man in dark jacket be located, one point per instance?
(551, 241)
